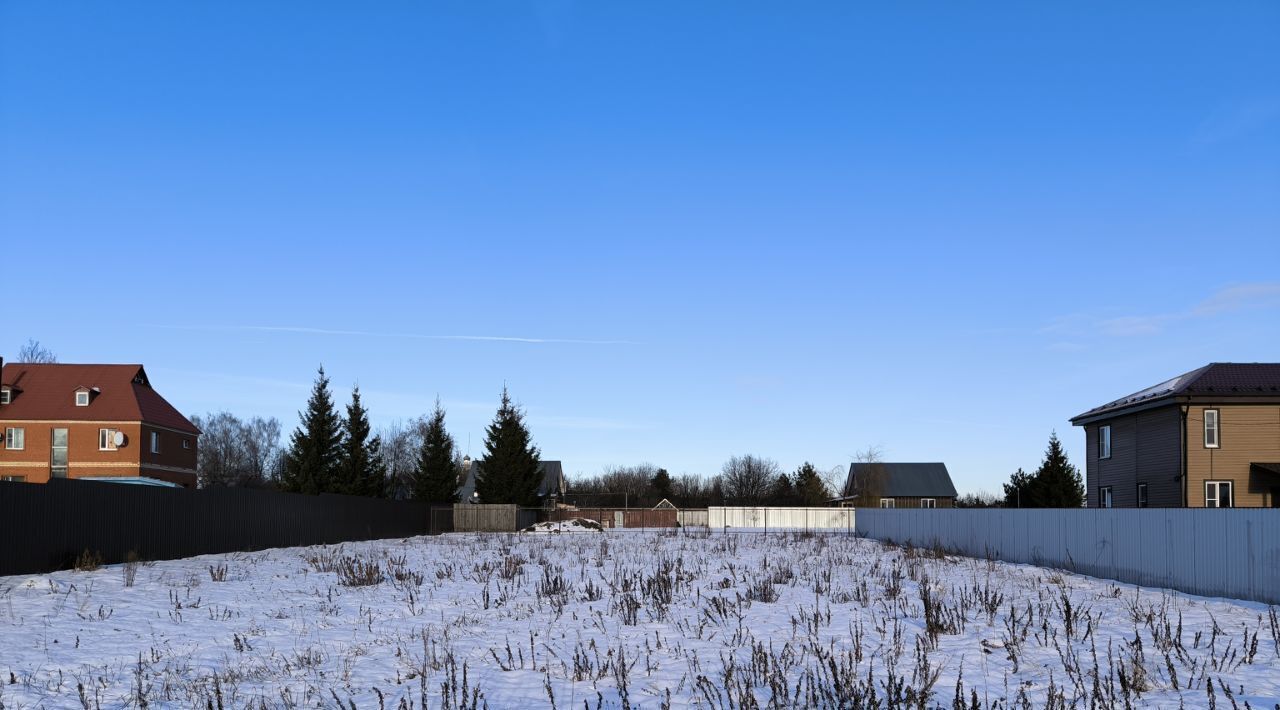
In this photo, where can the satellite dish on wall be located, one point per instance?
(118, 439)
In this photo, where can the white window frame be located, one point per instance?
(1106, 497)
(186, 443)
(155, 442)
(107, 440)
(888, 503)
(1144, 499)
(1213, 492)
(1104, 442)
(928, 502)
(1216, 429)
(15, 434)
(82, 399)
(6, 396)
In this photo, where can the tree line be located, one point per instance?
(333, 452)
(743, 480)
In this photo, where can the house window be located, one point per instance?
(58, 453)
(186, 443)
(1104, 442)
(155, 442)
(1211, 429)
(1217, 494)
(106, 440)
(1142, 495)
(5, 396)
(14, 479)
(15, 439)
(1104, 497)
(888, 503)
(928, 503)
(82, 399)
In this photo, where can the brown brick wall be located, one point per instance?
(85, 459)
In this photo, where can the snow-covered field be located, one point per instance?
(621, 619)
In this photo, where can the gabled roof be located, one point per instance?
(122, 394)
(901, 480)
(1216, 380)
(552, 479)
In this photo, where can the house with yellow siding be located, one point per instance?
(1209, 438)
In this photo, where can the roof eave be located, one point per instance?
(1201, 398)
(1090, 417)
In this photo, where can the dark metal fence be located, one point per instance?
(44, 527)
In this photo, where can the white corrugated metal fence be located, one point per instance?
(761, 518)
(1228, 553)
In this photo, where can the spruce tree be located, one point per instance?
(810, 490)
(1017, 492)
(362, 471)
(661, 485)
(1057, 482)
(782, 492)
(436, 479)
(314, 454)
(509, 472)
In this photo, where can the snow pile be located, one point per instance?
(565, 526)
(643, 620)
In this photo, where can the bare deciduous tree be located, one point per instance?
(401, 444)
(688, 487)
(748, 479)
(633, 481)
(869, 485)
(618, 485)
(836, 479)
(35, 353)
(237, 453)
(262, 449)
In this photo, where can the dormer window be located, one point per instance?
(6, 395)
(82, 398)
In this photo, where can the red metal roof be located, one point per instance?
(121, 393)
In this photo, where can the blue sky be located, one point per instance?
(795, 230)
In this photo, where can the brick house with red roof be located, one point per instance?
(91, 421)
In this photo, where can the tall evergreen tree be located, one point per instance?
(810, 490)
(362, 472)
(661, 485)
(783, 492)
(1017, 492)
(1057, 482)
(509, 472)
(315, 452)
(436, 479)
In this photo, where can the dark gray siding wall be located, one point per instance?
(1145, 448)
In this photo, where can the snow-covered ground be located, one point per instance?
(576, 525)
(620, 619)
